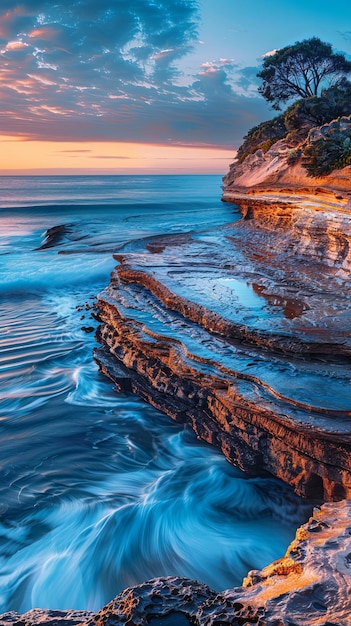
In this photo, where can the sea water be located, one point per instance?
(98, 490)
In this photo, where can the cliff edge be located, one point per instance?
(245, 334)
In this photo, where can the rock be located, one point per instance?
(246, 343)
(274, 170)
(245, 334)
(55, 236)
(45, 618)
(158, 602)
(339, 125)
(313, 228)
(310, 585)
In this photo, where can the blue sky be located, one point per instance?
(247, 29)
(156, 72)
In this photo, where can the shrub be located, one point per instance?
(297, 121)
(293, 156)
(326, 154)
(310, 112)
(262, 137)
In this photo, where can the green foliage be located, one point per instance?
(301, 71)
(298, 120)
(324, 155)
(316, 111)
(293, 156)
(329, 153)
(262, 137)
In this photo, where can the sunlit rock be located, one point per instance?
(310, 585)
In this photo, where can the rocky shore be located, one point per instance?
(244, 333)
(310, 585)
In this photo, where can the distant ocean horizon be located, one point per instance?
(30, 190)
(98, 490)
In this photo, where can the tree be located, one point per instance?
(301, 70)
(309, 112)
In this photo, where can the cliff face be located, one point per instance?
(310, 585)
(245, 334)
(315, 227)
(311, 215)
(273, 170)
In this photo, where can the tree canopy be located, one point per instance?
(301, 70)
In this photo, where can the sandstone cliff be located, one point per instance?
(245, 334)
(274, 171)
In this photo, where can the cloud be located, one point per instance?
(110, 70)
(247, 79)
(107, 156)
(228, 64)
(15, 45)
(271, 53)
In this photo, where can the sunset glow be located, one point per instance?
(175, 244)
(40, 157)
(113, 86)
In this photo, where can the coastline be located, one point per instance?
(304, 581)
(277, 213)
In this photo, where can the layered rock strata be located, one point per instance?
(244, 334)
(310, 585)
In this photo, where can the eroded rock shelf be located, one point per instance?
(244, 333)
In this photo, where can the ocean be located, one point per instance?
(98, 490)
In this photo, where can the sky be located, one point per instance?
(142, 86)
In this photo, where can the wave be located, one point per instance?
(199, 519)
(100, 491)
(37, 272)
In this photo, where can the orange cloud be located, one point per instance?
(16, 45)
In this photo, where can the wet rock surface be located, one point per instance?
(45, 618)
(244, 333)
(310, 585)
